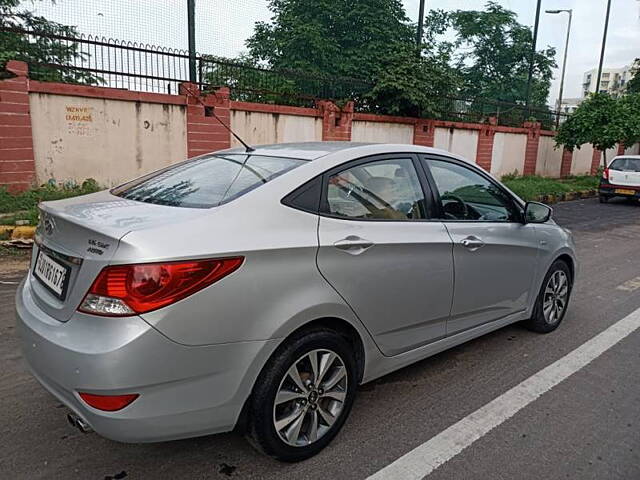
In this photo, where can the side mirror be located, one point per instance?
(536, 212)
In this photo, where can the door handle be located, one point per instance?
(353, 244)
(472, 243)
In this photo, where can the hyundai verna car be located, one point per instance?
(621, 178)
(259, 288)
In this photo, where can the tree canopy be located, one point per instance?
(602, 121)
(493, 53)
(17, 46)
(374, 40)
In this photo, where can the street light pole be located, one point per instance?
(420, 23)
(191, 25)
(533, 52)
(564, 62)
(604, 42)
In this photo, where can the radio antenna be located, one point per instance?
(248, 148)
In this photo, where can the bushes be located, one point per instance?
(533, 186)
(26, 203)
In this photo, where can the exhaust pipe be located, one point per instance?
(77, 422)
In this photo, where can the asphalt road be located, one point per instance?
(587, 427)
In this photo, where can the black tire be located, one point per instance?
(603, 198)
(261, 431)
(538, 322)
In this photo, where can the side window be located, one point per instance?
(379, 190)
(467, 195)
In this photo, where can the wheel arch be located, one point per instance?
(339, 325)
(568, 259)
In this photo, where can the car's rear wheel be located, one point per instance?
(553, 299)
(603, 198)
(303, 396)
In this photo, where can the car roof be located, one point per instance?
(626, 156)
(315, 150)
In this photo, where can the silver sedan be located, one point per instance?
(258, 288)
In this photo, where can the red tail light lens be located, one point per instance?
(108, 403)
(122, 290)
(605, 174)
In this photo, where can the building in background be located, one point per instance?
(613, 80)
(568, 105)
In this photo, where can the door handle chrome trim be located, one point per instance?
(472, 243)
(353, 244)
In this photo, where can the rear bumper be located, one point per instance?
(184, 391)
(610, 190)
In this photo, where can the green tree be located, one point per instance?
(493, 54)
(629, 119)
(602, 121)
(370, 40)
(15, 45)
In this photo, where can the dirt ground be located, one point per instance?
(13, 262)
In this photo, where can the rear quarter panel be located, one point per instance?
(277, 289)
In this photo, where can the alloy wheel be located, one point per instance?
(555, 297)
(310, 398)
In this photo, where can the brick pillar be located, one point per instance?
(531, 152)
(621, 149)
(204, 132)
(565, 165)
(424, 133)
(17, 162)
(484, 151)
(596, 160)
(336, 121)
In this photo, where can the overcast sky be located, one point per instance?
(223, 25)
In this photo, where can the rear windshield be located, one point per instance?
(626, 164)
(206, 181)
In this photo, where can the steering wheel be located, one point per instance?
(463, 210)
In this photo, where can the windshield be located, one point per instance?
(206, 181)
(626, 164)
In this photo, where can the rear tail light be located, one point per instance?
(108, 403)
(122, 290)
(605, 174)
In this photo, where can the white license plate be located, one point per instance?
(52, 274)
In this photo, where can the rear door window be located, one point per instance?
(378, 190)
(207, 181)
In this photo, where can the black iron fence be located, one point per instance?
(479, 110)
(140, 67)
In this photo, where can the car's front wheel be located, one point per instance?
(553, 299)
(303, 396)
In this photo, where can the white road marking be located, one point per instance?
(424, 459)
(630, 285)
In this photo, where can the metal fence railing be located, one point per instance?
(129, 65)
(478, 110)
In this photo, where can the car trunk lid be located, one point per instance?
(80, 236)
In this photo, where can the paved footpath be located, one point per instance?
(584, 426)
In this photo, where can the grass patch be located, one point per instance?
(532, 186)
(25, 203)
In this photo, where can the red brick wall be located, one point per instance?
(565, 165)
(424, 132)
(17, 164)
(204, 132)
(620, 149)
(336, 121)
(596, 161)
(531, 151)
(484, 151)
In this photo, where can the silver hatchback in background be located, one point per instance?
(259, 288)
